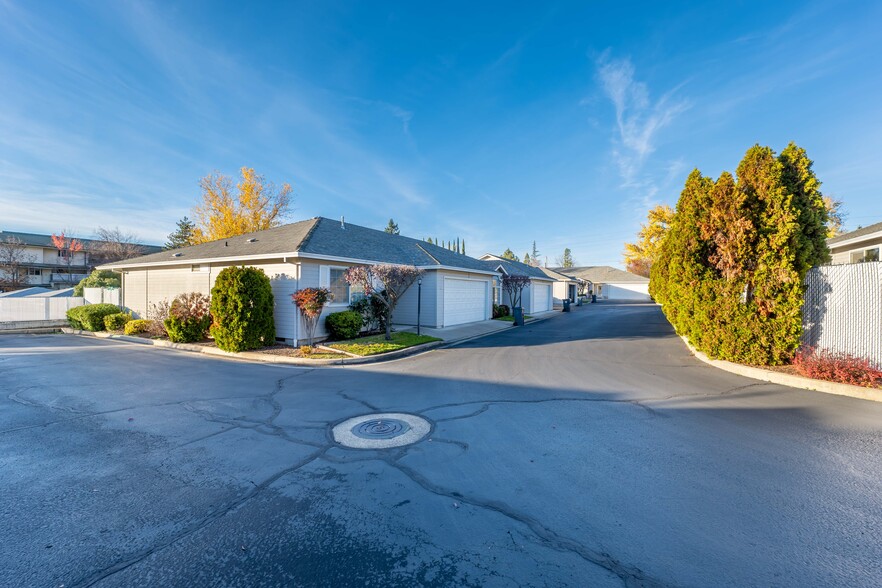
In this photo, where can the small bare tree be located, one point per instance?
(386, 283)
(514, 285)
(13, 257)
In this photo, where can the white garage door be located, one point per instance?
(465, 301)
(627, 292)
(541, 297)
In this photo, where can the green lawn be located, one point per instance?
(377, 343)
(510, 318)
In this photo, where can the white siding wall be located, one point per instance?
(560, 291)
(406, 312)
(144, 287)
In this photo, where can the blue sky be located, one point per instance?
(501, 125)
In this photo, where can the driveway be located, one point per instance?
(586, 450)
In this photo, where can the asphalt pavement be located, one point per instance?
(589, 449)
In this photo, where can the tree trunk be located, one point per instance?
(389, 326)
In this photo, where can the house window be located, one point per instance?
(33, 271)
(871, 254)
(63, 253)
(339, 287)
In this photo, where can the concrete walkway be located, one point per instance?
(470, 330)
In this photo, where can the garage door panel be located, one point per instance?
(541, 297)
(464, 301)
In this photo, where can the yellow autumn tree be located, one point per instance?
(254, 204)
(639, 256)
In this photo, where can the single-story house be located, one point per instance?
(537, 297)
(609, 283)
(455, 288)
(565, 287)
(857, 246)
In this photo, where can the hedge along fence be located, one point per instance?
(730, 270)
(843, 310)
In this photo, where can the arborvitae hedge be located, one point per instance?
(242, 308)
(730, 272)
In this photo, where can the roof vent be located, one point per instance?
(252, 240)
(342, 223)
(177, 254)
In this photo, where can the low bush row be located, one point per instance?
(91, 316)
(823, 364)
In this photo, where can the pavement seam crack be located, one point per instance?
(629, 575)
(106, 572)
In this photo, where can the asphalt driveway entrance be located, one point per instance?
(585, 450)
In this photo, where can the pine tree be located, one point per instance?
(182, 236)
(535, 256)
(429, 240)
(567, 258)
(509, 254)
(392, 228)
(463, 247)
(527, 259)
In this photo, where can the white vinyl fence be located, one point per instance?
(33, 308)
(843, 309)
(99, 295)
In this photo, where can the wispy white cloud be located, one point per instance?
(638, 118)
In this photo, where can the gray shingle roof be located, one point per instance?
(558, 275)
(37, 240)
(604, 274)
(858, 233)
(318, 236)
(514, 267)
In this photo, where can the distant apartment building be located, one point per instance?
(47, 266)
(861, 245)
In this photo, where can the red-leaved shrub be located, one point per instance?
(824, 364)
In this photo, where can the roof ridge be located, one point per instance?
(316, 220)
(435, 259)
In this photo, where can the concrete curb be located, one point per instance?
(259, 357)
(872, 394)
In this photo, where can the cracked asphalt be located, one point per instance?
(586, 450)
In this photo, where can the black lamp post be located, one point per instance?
(419, 302)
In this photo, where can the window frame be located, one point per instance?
(334, 301)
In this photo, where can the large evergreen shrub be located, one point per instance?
(242, 307)
(730, 272)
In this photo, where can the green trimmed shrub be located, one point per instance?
(188, 318)
(344, 325)
(242, 307)
(98, 279)
(117, 321)
(138, 326)
(90, 317)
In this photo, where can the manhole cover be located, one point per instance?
(379, 431)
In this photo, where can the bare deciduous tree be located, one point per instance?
(13, 259)
(113, 245)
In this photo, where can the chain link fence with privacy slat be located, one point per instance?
(843, 309)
